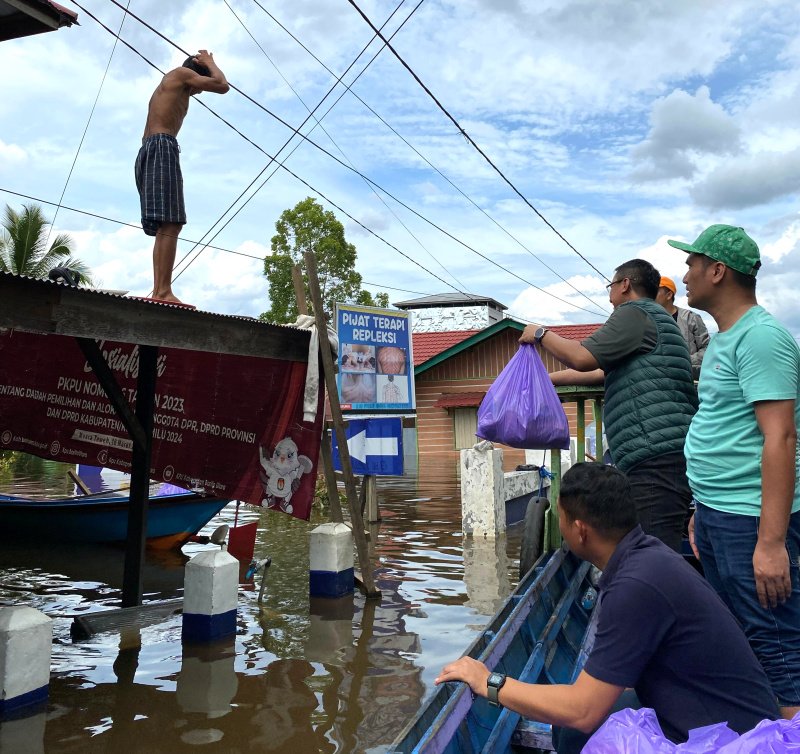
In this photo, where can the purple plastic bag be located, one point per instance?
(521, 408)
(768, 737)
(630, 731)
(707, 739)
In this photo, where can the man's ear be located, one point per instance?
(581, 529)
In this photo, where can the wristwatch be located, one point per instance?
(539, 334)
(494, 683)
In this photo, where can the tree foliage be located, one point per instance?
(309, 227)
(23, 246)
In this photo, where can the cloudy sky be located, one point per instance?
(623, 123)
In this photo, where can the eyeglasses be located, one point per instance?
(614, 282)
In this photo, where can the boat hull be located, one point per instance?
(541, 634)
(171, 519)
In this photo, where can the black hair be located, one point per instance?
(645, 279)
(190, 62)
(747, 282)
(600, 496)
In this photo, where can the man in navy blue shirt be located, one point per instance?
(662, 631)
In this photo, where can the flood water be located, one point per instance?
(328, 676)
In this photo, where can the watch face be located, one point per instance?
(539, 334)
(495, 679)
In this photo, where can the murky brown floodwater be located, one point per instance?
(335, 676)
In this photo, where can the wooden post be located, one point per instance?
(371, 498)
(140, 479)
(330, 478)
(338, 424)
(325, 447)
(299, 289)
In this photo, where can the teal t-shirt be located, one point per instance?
(756, 360)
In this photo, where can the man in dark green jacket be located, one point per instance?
(642, 358)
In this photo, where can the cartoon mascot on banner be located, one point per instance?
(281, 474)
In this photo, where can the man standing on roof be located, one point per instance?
(650, 397)
(661, 631)
(690, 323)
(158, 171)
(742, 455)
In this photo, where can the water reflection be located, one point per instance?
(301, 675)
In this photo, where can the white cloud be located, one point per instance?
(683, 126)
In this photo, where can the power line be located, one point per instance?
(349, 89)
(318, 121)
(471, 140)
(332, 156)
(86, 129)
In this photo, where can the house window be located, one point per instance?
(465, 425)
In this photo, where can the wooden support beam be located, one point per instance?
(338, 424)
(140, 478)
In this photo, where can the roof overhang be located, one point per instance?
(459, 400)
(22, 18)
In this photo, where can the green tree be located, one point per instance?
(23, 239)
(309, 227)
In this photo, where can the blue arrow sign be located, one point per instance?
(375, 445)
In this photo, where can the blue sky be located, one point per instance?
(623, 123)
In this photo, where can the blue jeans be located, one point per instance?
(726, 542)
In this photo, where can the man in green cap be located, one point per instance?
(742, 455)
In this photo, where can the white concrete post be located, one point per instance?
(210, 595)
(331, 571)
(26, 639)
(483, 498)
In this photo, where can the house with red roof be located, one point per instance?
(452, 372)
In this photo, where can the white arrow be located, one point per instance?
(361, 446)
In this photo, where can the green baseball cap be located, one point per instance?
(727, 244)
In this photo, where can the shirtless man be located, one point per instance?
(158, 171)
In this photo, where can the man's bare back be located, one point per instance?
(170, 101)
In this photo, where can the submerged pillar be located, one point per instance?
(210, 595)
(483, 496)
(26, 639)
(331, 561)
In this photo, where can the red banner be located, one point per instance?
(231, 426)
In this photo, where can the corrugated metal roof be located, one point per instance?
(449, 299)
(429, 344)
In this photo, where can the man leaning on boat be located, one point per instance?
(662, 631)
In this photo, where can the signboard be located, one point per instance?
(231, 426)
(375, 445)
(376, 373)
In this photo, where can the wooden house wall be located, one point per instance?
(472, 370)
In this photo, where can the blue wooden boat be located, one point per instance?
(542, 634)
(103, 517)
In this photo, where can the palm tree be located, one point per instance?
(23, 240)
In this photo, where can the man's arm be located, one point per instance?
(574, 377)
(700, 336)
(216, 82)
(770, 559)
(569, 352)
(582, 705)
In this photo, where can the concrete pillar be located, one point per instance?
(26, 639)
(331, 561)
(211, 591)
(483, 499)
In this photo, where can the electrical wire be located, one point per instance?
(471, 140)
(86, 129)
(318, 123)
(317, 146)
(348, 89)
